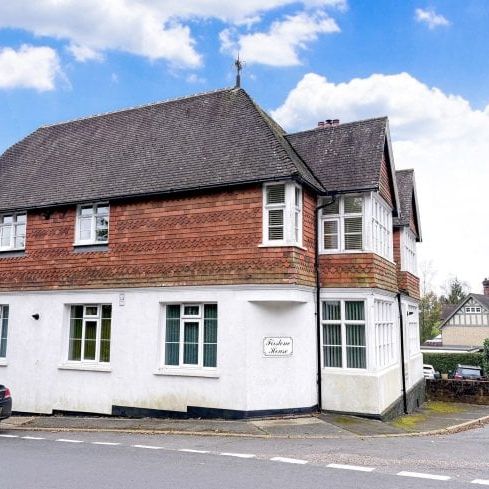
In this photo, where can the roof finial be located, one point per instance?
(239, 66)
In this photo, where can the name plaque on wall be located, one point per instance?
(277, 346)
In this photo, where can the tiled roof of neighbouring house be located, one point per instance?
(345, 156)
(483, 299)
(209, 140)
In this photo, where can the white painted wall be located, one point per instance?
(244, 379)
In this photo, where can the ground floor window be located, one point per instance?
(413, 329)
(89, 339)
(385, 337)
(191, 335)
(344, 335)
(3, 330)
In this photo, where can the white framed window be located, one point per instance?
(282, 214)
(385, 337)
(89, 334)
(92, 224)
(191, 336)
(342, 224)
(473, 310)
(344, 334)
(413, 329)
(408, 257)
(12, 231)
(4, 310)
(381, 228)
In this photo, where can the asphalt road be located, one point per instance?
(76, 460)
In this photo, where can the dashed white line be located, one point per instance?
(64, 440)
(32, 438)
(9, 436)
(190, 450)
(482, 482)
(359, 468)
(289, 460)
(420, 475)
(238, 455)
(149, 447)
(109, 443)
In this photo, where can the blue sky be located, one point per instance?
(422, 63)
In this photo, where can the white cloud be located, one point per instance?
(431, 18)
(440, 135)
(29, 67)
(155, 29)
(281, 44)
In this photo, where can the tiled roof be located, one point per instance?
(449, 310)
(482, 299)
(345, 156)
(209, 140)
(405, 185)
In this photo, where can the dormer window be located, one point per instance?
(282, 214)
(12, 231)
(92, 224)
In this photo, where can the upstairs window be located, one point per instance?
(473, 310)
(92, 224)
(12, 231)
(408, 259)
(381, 228)
(282, 215)
(342, 224)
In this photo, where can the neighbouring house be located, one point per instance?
(191, 258)
(467, 323)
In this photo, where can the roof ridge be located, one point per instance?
(343, 124)
(137, 107)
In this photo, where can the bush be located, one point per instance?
(447, 362)
(485, 357)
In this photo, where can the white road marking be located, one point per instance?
(289, 460)
(32, 438)
(351, 467)
(239, 455)
(420, 475)
(482, 482)
(189, 450)
(9, 436)
(64, 440)
(149, 447)
(112, 444)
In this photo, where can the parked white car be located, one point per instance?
(429, 372)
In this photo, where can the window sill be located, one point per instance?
(12, 253)
(3, 362)
(87, 248)
(282, 245)
(85, 366)
(211, 374)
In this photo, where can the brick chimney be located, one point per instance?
(485, 284)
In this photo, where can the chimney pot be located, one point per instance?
(485, 284)
(329, 122)
(336, 122)
(321, 124)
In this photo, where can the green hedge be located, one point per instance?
(447, 362)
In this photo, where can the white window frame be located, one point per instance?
(339, 218)
(14, 226)
(344, 322)
(93, 230)
(412, 313)
(184, 319)
(385, 321)
(292, 215)
(473, 309)
(381, 233)
(98, 340)
(4, 314)
(409, 251)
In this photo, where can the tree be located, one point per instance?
(429, 316)
(455, 291)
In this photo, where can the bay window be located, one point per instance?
(344, 334)
(385, 335)
(408, 258)
(282, 214)
(191, 335)
(12, 231)
(381, 228)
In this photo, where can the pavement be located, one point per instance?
(433, 418)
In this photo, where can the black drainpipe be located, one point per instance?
(403, 367)
(318, 294)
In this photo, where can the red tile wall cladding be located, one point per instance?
(407, 282)
(193, 240)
